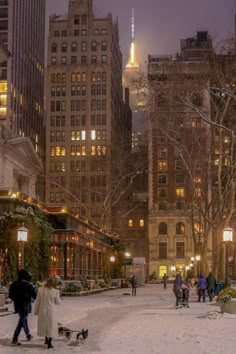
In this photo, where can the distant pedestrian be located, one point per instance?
(22, 293)
(165, 278)
(211, 285)
(202, 285)
(47, 298)
(134, 284)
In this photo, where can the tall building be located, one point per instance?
(85, 112)
(22, 32)
(179, 139)
(22, 27)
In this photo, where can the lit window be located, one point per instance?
(58, 150)
(162, 165)
(130, 223)
(83, 150)
(63, 151)
(52, 152)
(83, 135)
(197, 192)
(180, 192)
(141, 223)
(72, 136)
(104, 150)
(226, 139)
(93, 150)
(93, 135)
(162, 152)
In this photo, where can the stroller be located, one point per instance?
(184, 300)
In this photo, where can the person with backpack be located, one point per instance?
(22, 293)
(211, 282)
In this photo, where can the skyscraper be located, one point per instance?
(86, 119)
(22, 28)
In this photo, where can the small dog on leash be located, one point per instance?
(67, 332)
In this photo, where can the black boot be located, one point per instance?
(46, 341)
(50, 343)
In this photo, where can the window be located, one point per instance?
(84, 20)
(197, 180)
(162, 179)
(83, 90)
(104, 90)
(179, 179)
(73, 47)
(104, 76)
(54, 48)
(162, 228)
(73, 77)
(130, 223)
(104, 59)
(178, 165)
(104, 31)
(83, 135)
(162, 152)
(93, 59)
(93, 90)
(64, 33)
(162, 193)
(196, 122)
(64, 48)
(84, 77)
(73, 60)
(76, 20)
(104, 45)
(197, 192)
(78, 77)
(93, 134)
(53, 78)
(180, 228)
(96, 31)
(56, 33)
(162, 250)
(179, 249)
(63, 60)
(93, 46)
(76, 32)
(197, 227)
(83, 60)
(93, 77)
(141, 223)
(53, 60)
(63, 78)
(83, 32)
(83, 46)
(180, 192)
(162, 165)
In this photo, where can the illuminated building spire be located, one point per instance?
(132, 62)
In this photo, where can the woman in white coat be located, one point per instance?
(47, 298)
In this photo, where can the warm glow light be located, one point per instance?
(112, 259)
(198, 258)
(228, 234)
(127, 254)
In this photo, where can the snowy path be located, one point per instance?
(145, 324)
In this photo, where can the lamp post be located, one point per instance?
(112, 260)
(198, 258)
(227, 237)
(22, 237)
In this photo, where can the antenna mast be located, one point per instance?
(132, 24)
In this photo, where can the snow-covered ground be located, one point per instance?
(145, 324)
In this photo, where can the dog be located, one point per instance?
(67, 332)
(82, 335)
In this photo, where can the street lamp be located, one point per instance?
(127, 254)
(22, 237)
(227, 237)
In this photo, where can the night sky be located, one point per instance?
(160, 24)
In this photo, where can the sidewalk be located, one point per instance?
(144, 324)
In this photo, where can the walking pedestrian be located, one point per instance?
(165, 278)
(134, 284)
(22, 293)
(211, 285)
(177, 288)
(47, 298)
(202, 285)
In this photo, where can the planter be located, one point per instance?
(228, 307)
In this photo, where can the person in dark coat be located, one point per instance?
(22, 293)
(202, 286)
(177, 288)
(165, 278)
(211, 285)
(134, 284)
